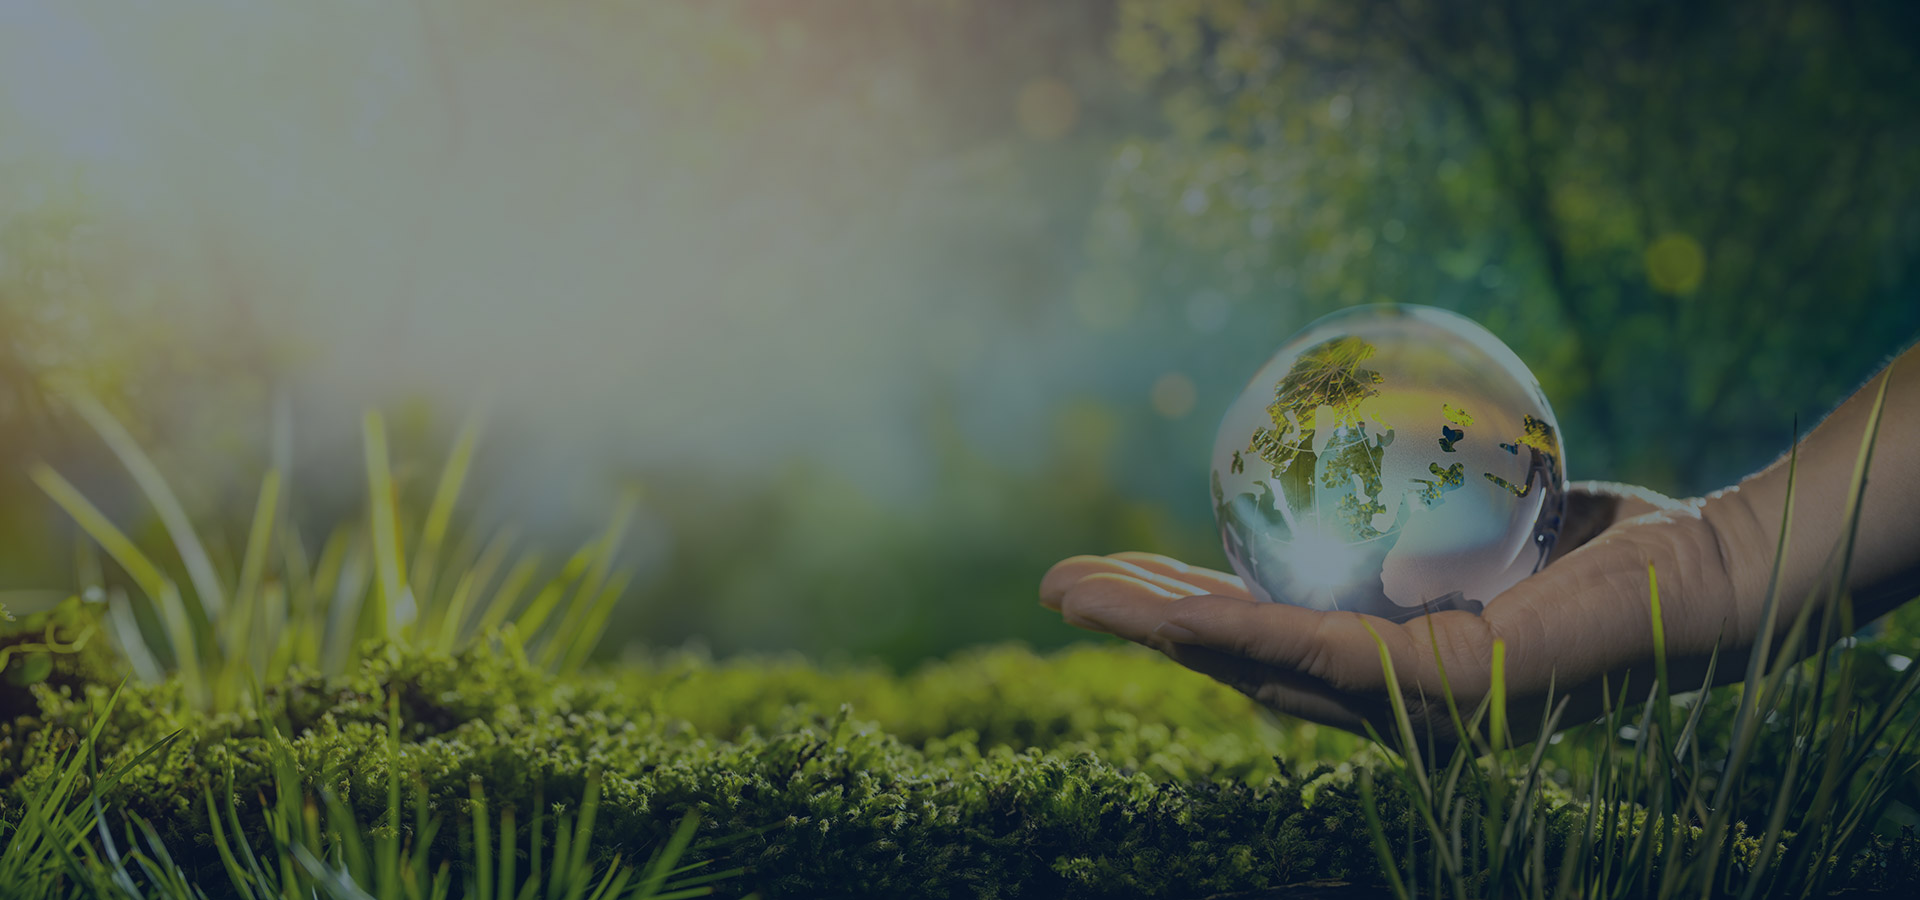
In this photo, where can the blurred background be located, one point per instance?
(886, 305)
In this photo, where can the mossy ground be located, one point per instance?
(999, 773)
(1099, 771)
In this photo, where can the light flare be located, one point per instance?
(1319, 562)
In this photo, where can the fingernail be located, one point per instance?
(1179, 633)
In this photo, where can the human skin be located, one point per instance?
(1582, 622)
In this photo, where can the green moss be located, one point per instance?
(1000, 773)
(60, 646)
(1092, 772)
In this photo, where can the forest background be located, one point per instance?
(885, 306)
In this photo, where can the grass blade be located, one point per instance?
(179, 628)
(393, 603)
(433, 532)
(193, 554)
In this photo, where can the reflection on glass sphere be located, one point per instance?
(1392, 460)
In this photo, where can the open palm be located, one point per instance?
(1583, 617)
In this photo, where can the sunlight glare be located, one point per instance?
(1318, 561)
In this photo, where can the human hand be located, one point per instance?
(1582, 618)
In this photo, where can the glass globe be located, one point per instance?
(1392, 460)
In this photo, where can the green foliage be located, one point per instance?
(326, 852)
(415, 768)
(53, 296)
(1107, 786)
(61, 647)
(235, 620)
(45, 851)
(1000, 773)
(1718, 192)
(1615, 189)
(58, 843)
(818, 564)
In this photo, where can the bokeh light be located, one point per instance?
(1173, 395)
(1676, 263)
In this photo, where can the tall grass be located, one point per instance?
(320, 849)
(222, 627)
(1653, 816)
(46, 853)
(63, 845)
(225, 623)
(1660, 812)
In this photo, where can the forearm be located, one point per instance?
(1714, 557)
(1884, 569)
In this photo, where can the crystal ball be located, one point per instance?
(1392, 460)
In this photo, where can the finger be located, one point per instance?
(1341, 648)
(1208, 581)
(1068, 572)
(1329, 646)
(1119, 605)
(1059, 577)
(1284, 692)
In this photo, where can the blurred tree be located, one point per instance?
(51, 330)
(1693, 220)
(75, 314)
(811, 562)
(44, 291)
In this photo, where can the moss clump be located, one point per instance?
(1092, 772)
(62, 646)
(997, 774)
